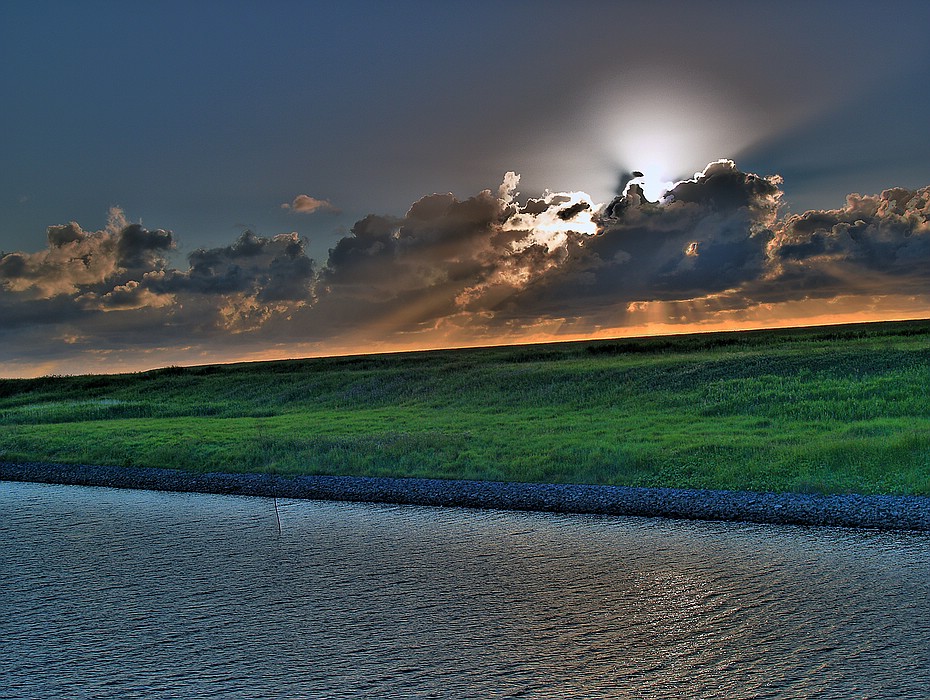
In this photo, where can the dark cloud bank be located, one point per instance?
(483, 269)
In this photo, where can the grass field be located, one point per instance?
(831, 409)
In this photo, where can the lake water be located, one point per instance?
(133, 594)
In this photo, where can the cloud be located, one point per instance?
(115, 289)
(269, 269)
(715, 242)
(305, 204)
(872, 244)
(76, 260)
(123, 297)
(487, 268)
(708, 233)
(448, 258)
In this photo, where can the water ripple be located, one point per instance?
(127, 594)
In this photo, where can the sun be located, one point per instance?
(654, 187)
(666, 130)
(657, 152)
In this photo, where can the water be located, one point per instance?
(132, 594)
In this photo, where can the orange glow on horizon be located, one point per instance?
(649, 319)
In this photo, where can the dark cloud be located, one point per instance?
(569, 213)
(486, 267)
(885, 232)
(441, 243)
(64, 234)
(412, 268)
(723, 187)
(535, 206)
(269, 269)
(710, 234)
(874, 244)
(137, 247)
(489, 261)
(13, 266)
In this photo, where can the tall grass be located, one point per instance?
(838, 409)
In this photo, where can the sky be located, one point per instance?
(197, 182)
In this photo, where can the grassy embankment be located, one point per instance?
(841, 409)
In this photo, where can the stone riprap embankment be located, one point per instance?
(885, 512)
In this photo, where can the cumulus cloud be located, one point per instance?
(305, 204)
(269, 269)
(488, 267)
(873, 243)
(449, 258)
(115, 289)
(123, 297)
(76, 260)
(708, 233)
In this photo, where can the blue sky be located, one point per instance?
(204, 118)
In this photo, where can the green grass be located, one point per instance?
(830, 409)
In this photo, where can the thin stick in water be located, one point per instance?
(276, 516)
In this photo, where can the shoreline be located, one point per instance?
(856, 511)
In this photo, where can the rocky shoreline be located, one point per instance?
(882, 512)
